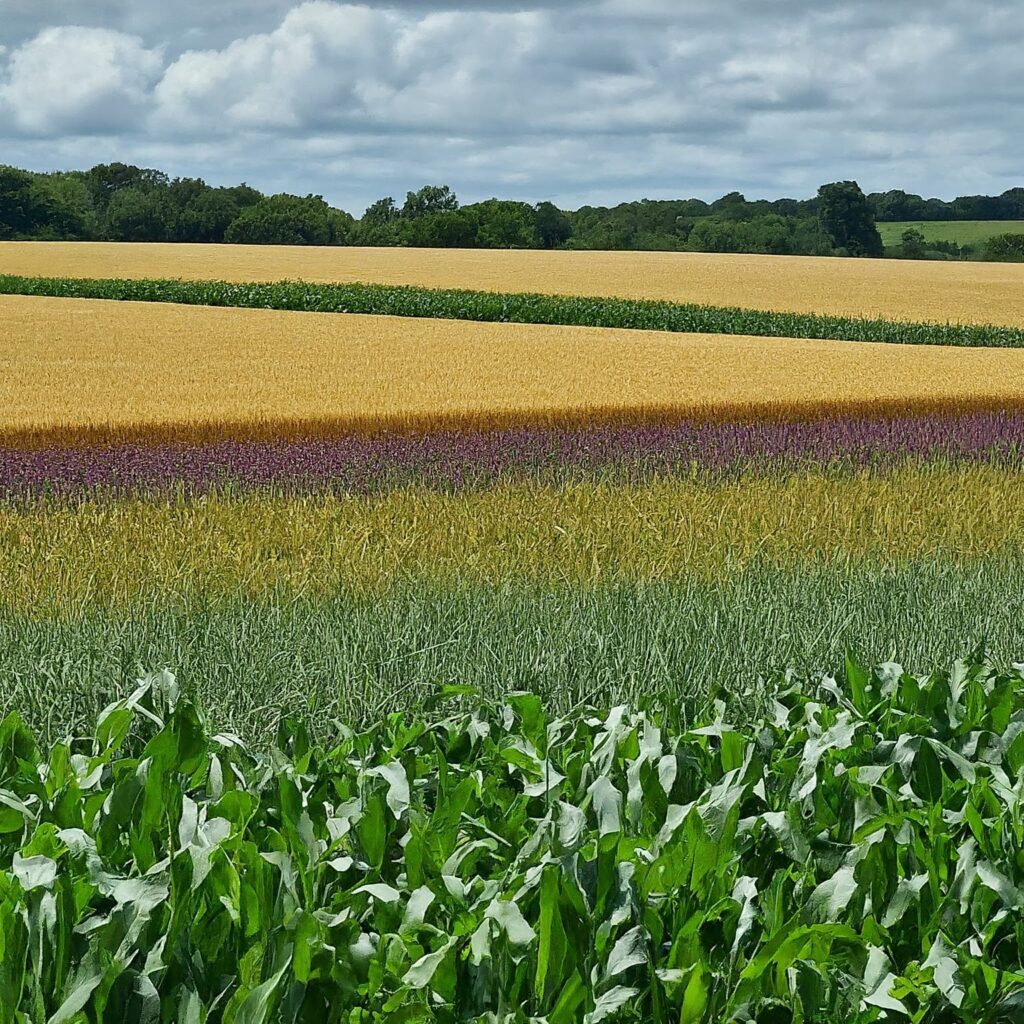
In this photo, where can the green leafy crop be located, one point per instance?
(857, 856)
(522, 307)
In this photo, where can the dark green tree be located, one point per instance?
(505, 224)
(138, 215)
(447, 229)
(732, 205)
(1005, 249)
(430, 199)
(912, 244)
(380, 224)
(291, 220)
(70, 213)
(104, 180)
(552, 226)
(847, 218)
(383, 211)
(23, 208)
(208, 216)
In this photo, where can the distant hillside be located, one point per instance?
(962, 232)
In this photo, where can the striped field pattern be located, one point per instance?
(72, 365)
(906, 289)
(519, 668)
(189, 460)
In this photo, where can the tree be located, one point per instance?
(65, 203)
(733, 204)
(290, 220)
(912, 244)
(138, 215)
(380, 223)
(847, 218)
(208, 216)
(552, 226)
(430, 199)
(897, 205)
(105, 180)
(1005, 248)
(22, 208)
(448, 229)
(383, 211)
(505, 224)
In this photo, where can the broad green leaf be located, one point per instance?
(629, 951)
(422, 972)
(610, 1002)
(828, 901)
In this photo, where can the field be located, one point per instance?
(963, 232)
(473, 664)
(71, 365)
(977, 292)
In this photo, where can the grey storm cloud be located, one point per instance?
(580, 102)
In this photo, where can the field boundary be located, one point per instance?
(517, 307)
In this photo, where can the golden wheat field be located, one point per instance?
(124, 553)
(935, 291)
(81, 363)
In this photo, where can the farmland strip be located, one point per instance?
(518, 307)
(78, 370)
(452, 460)
(591, 533)
(891, 289)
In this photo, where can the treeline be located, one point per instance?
(899, 206)
(121, 202)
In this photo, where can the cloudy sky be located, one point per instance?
(551, 99)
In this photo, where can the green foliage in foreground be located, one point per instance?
(857, 856)
(525, 308)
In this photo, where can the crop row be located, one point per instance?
(857, 855)
(908, 290)
(346, 656)
(76, 555)
(524, 308)
(78, 370)
(451, 460)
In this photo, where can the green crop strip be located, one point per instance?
(856, 856)
(523, 308)
(356, 658)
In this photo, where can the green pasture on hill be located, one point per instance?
(963, 232)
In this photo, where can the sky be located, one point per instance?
(574, 102)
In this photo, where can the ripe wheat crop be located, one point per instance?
(910, 290)
(129, 553)
(73, 365)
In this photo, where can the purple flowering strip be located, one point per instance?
(453, 460)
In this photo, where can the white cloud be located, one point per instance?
(78, 81)
(354, 67)
(587, 100)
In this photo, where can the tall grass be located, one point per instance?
(357, 657)
(522, 307)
